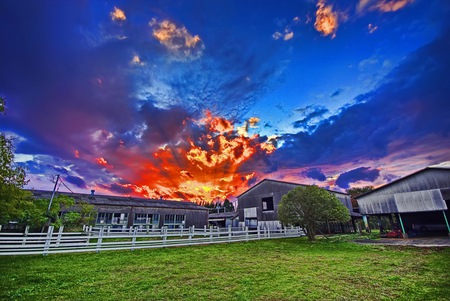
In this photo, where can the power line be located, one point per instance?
(66, 186)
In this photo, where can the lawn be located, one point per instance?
(281, 269)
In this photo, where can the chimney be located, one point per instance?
(92, 192)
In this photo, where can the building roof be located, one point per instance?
(123, 201)
(443, 165)
(283, 182)
(223, 215)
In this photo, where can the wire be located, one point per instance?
(65, 185)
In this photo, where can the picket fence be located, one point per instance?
(94, 239)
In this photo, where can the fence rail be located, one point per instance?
(96, 239)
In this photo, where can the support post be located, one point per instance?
(405, 235)
(446, 221)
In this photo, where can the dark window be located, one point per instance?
(267, 203)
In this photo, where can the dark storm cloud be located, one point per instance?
(77, 181)
(311, 113)
(315, 173)
(411, 103)
(355, 175)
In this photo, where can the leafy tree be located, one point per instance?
(229, 207)
(12, 179)
(306, 206)
(357, 191)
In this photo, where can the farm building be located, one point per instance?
(224, 219)
(118, 211)
(259, 206)
(418, 201)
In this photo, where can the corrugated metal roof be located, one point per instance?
(415, 201)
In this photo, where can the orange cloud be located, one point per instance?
(118, 15)
(199, 166)
(177, 39)
(391, 5)
(382, 5)
(326, 20)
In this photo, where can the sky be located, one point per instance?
(199, 100)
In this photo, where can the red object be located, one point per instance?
(395, 234)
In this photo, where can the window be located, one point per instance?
(104, 218)
(174, 220)
(267, 203)
(140, 218)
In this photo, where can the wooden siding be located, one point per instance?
(423, 191)
(252, 198)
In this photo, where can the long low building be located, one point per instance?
(415, 201)
(119, 211)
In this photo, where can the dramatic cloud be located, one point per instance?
(403, 110)
(77, 181)
(177, 40)
(355, 175)
(315, 173)
(326, 19)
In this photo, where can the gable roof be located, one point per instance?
(282, 182)
(441, 166)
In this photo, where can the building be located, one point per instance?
(224, 219)
(422, 197)
(259, 206)
(118, 211)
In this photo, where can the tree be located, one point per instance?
(357, 191)
(12, 179)
(229, 207)
(306, 206)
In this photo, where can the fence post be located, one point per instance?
(211, 233)
(48, 240)
(99, 239)
(133, 240)
(108, 230)
(268, 232)
(181, 230)
(25, 234)
(259, 233)
(60, 232)
(191, 231)
(204, 230)
(164, 229)
(147, 229)
(246, 233)
(229, 232)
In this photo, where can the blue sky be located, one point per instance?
(201, 99)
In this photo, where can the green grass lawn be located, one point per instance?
(281, 269)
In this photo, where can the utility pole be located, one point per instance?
(47, 223)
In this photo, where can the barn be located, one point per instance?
(416, 202)
(120, 211)
(258, 206)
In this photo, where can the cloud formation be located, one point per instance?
(181, 44)
(326, 19)
(355, 175)
(382, 5)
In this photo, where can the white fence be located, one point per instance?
(107, 238)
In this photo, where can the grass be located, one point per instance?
(282, 269)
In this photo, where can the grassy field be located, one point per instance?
(284, 269)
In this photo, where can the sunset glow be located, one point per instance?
(200, 100)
